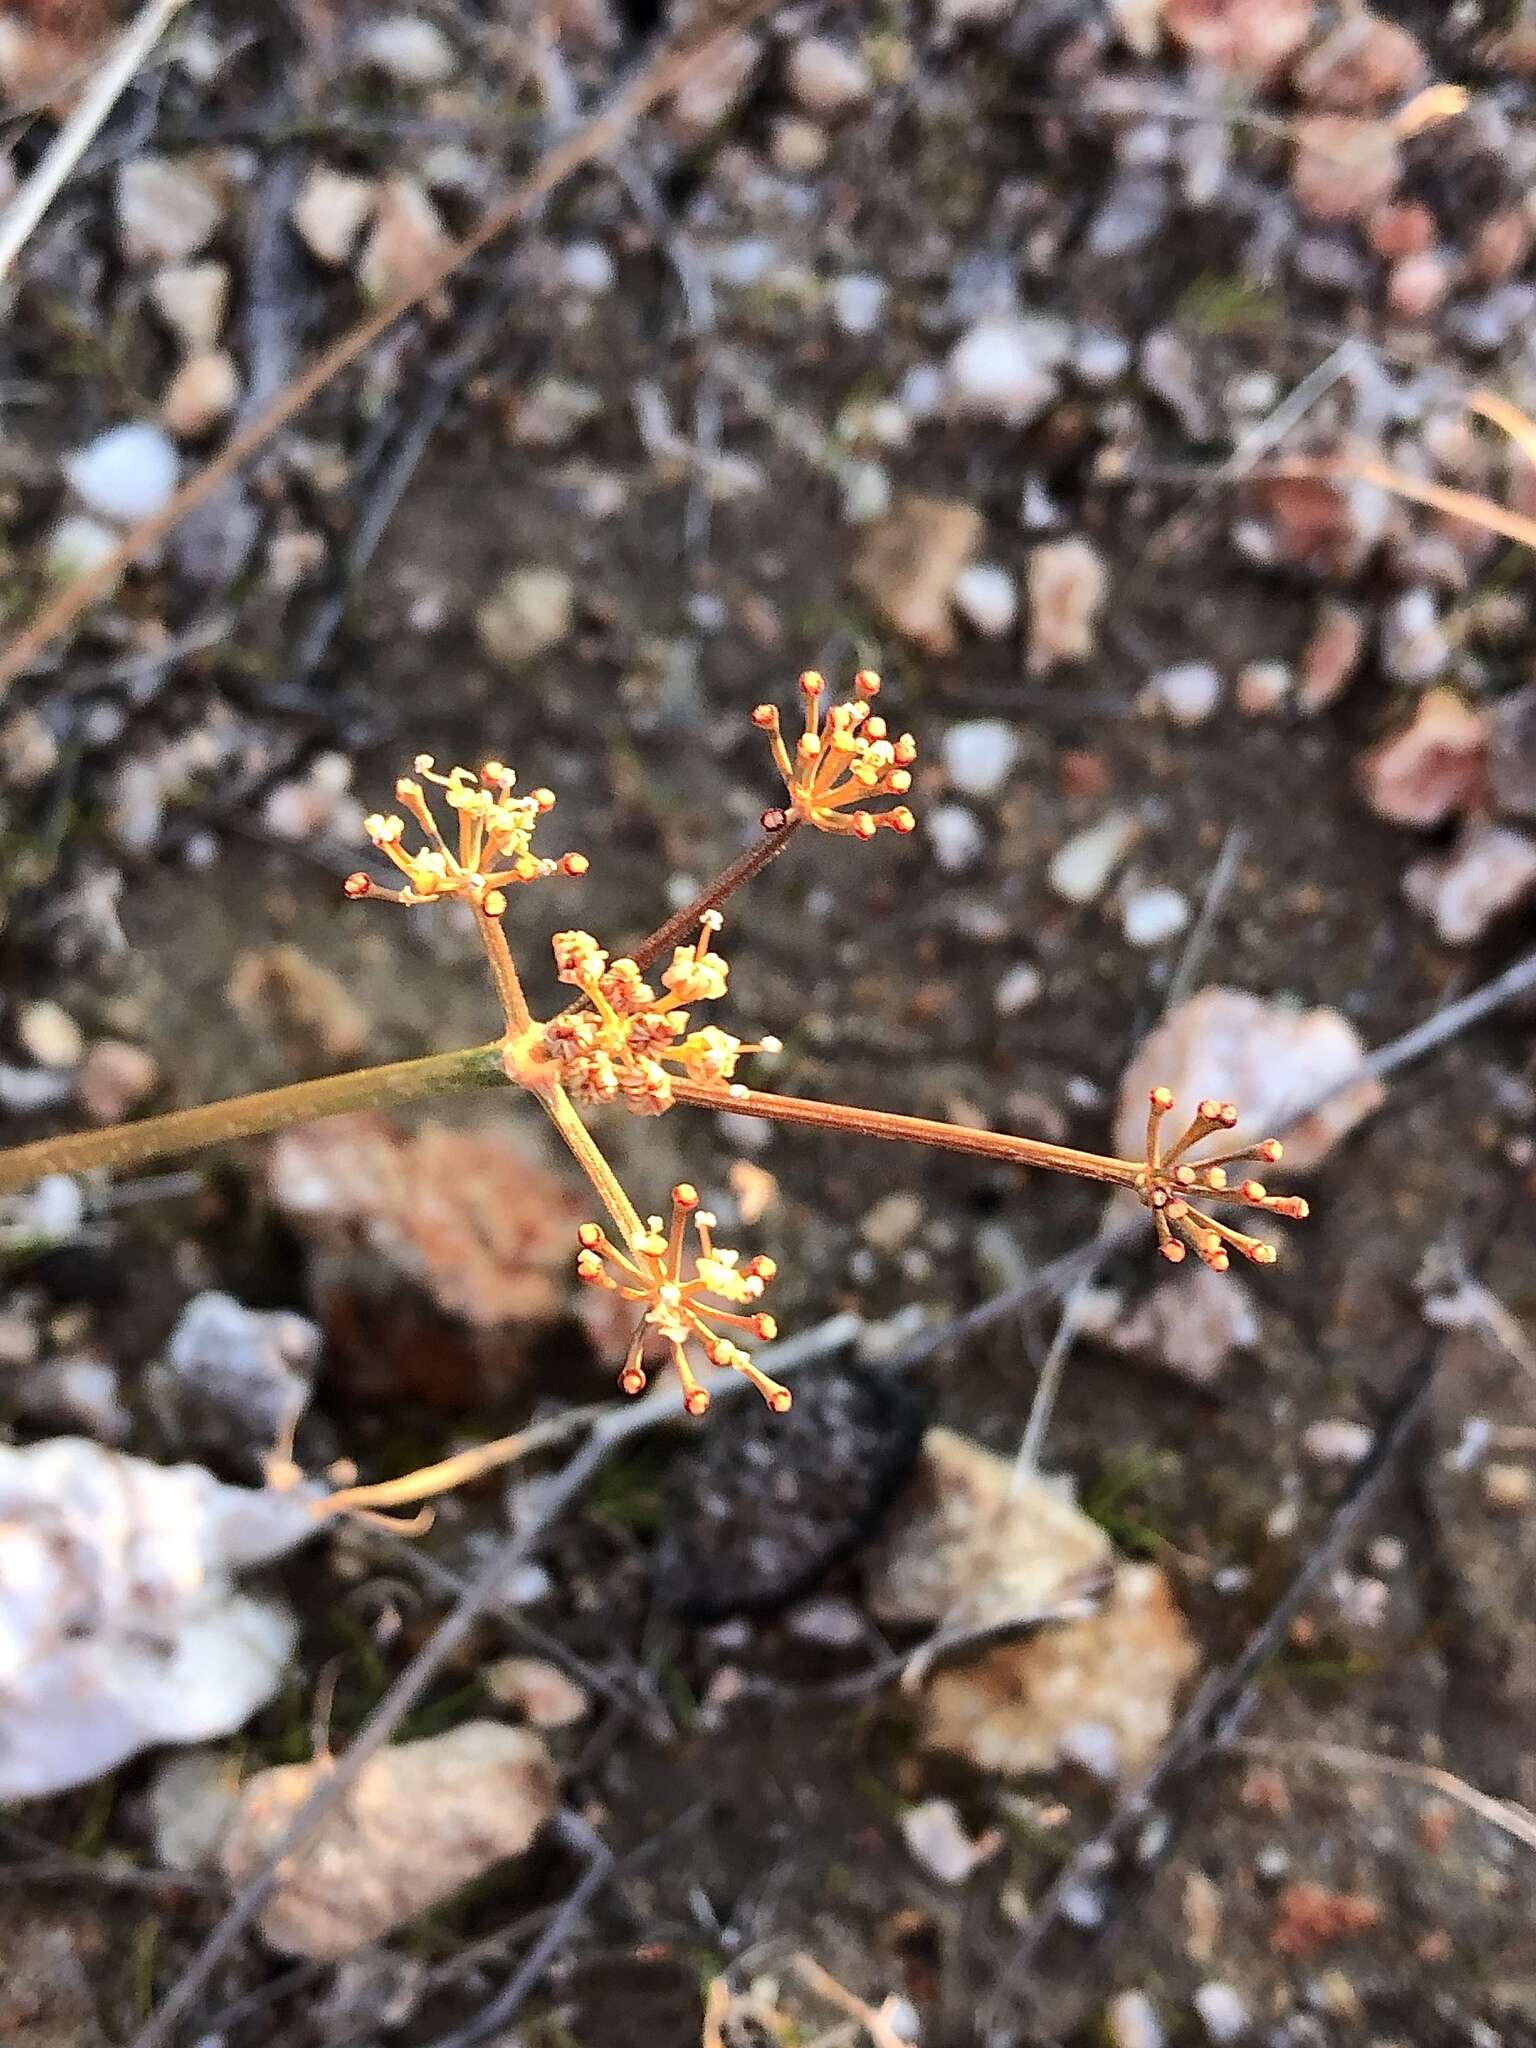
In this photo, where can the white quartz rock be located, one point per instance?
(120, 1626)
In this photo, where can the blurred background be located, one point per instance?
(1141, 387)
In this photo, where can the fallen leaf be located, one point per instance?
(909, 562)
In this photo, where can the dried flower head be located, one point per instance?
(495, 839)
(1167, 1180)
(621, 1045)
(842, 762)
(655, 1270)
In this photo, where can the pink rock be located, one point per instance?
(1269, 1059)
(1433, 768)
(1365, 61)
(1252, 38)
(1344, 168)
(1490, 869)
(1330, 657)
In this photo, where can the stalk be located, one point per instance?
(910, 1130)
(250, 1116)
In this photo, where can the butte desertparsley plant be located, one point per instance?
(631, 1040)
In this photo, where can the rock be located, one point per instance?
(1190, 1323)
(1081, 868)
(49, 1035)
(408, 49)
(1221, 2012)
(893, 1221)
(537, 1690)
(1366, 61)
(1263, 688)
(119, 1625)
(1344, 168)
(957, 839)
(966, 1549)
(987, 597)
(29, 751)
(909, 563)
(435, 1258)
(1170, 371)
(1139, 24)
(936, 1838)
(587, 267)
(241, 1377)
(77, 1394)
(204, 391)
(531, 611)
(1414, 647)
(715, 89)
(1419, 285)
(300, 1003)
(115, 1079)
(167, 210)
(1153, 915)
(1308, 1916)
(50, 1998)
(125, 475)
(979, 755)
(407, 237)
(1338, 1441)
(828, 1622)
(1251, 38)
(1512, 753)
(192, 299)
(858, 302)
(329, 213)
(421, 1821)
(1188, 693)
(1110, 1683)
(1489, 871)
(1131, 2021)
(1005, 367)
(1325, 527)
(734, 1542)
(1068, 583)
(1433, 768)
(799, 148)
(1330, 658)
(826, 78)
(191, 1800)
(1021, 986)
(1269, 1059)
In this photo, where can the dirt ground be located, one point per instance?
(771, 1825)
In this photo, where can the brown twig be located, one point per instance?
(662, 76)
(1518, 1822)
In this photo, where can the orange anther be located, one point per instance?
(574, 864)
(867, 683)
(357, 884)
(1161, 1098)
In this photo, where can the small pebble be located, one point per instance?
(1080, 870)
(1019, 987)
(115, 1079)
(894, 1221)
(1004, 368)
(1222, 2013)
(831, 1623)
(204, 391)
(799, 147)
(125, 475)
(1337, 1441)
(1262, 688)
(532, 610)
(986, 595)
(50, 1036)
(958, 840)
(1131, 2021)
(167, 210)
(539, 1691)
(329, 213)
(587, 267)
(858, 302)
(1414, 648)
(408, 49)
(979, 755)
(1188, 693)
(1068, 584)
(826, 78)
(192, 299)
(1511, 1488)
(1153, 915)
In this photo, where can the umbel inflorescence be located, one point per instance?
(630, 1041)
(633, 1036)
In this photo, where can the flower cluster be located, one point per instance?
(843, 762)
(495, 834)
(653, 1272)
(620, 1045)
(1167, 1180)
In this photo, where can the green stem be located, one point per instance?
(249, 1116)
(584, 1150)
